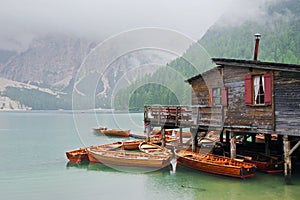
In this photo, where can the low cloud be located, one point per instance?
(21, 21)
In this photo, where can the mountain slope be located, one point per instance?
(50, 61)
(23, 96)
(280, 30)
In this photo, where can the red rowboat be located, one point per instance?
(78, 155)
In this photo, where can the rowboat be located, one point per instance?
(158, 131)
(168, 138)
(215, 164)
(99, 129)
(185, 134)
(130, 159)
(78, 155)
(132, 145)
(106, 147)
(260, 138)
(116, 132)
(263, 162)
(153, 149)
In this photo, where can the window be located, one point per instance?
(258, 89)
(218, 96)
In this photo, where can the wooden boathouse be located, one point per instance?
(241, 99)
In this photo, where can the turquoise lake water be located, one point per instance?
(34, 166)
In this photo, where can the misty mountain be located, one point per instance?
(49, 61)
(53, 62)
(5, 55)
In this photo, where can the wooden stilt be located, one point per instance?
(279, 143)
(253, 138)
(227, 142)
(148, 133)
(267, 144)
(287, 160)
(245, 140)
(227, 137)
(163, 137)
(194, 139)
(180, 135)
(221, 136)
(232, 145)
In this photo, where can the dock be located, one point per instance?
(137, 136)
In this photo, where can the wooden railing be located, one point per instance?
(170, 115)
(208, 115)
(184, 115)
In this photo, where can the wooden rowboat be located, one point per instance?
(215, 164)
(158, 132)
(105, 147)
(131, 159)
(264, 163)
(153, 149)
(132, 145)
(185, 134)
(99, 129)
(115, 132)
(78, 155)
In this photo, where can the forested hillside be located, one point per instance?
(280, 30)
(280, 42)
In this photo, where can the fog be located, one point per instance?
(22, 20)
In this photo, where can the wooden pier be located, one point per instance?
(168, 116)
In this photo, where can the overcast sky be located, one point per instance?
(21, 20)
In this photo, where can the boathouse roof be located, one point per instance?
(250, 64)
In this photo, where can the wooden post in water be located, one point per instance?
(227, 137)
(253, 138)
(227, 140)
(287, 160)
(245, 136)
(221, 136)
(194, 139)
(147, 133)
(180, 135)
(279, 143)
(267, 144)
(163, 137)
(232, 145)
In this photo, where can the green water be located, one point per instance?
(33, 165)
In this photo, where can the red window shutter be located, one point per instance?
(248, 89)
(268, 88)
(210, 103)
(224, 96)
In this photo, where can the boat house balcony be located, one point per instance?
(198, 116)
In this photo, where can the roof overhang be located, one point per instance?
(257, 64)
(223, 62)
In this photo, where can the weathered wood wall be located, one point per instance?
(201, 86)
(200, 94)
(238, 113)
(287, 102)
(208, 115)
(284, 119)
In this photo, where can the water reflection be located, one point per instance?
(91, 166)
